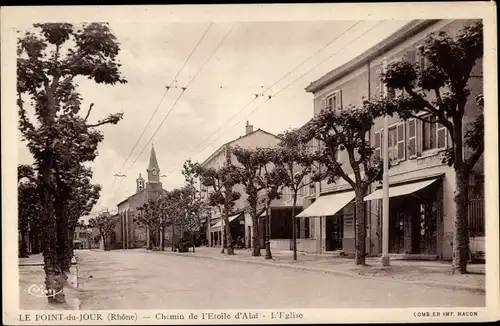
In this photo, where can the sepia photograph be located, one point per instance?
(205, 165)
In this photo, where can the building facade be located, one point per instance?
(82, 236)
(128, 234)
(422, 210)
(240, 219)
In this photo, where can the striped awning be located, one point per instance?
(217, 226)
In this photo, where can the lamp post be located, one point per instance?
(385, 180)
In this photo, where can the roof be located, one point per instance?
(232, 141)
(133, 195)
(153, 162)
(410, 29)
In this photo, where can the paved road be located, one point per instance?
(139, 280)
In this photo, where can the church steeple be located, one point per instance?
(153, 167)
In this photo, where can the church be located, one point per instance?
(128, 234)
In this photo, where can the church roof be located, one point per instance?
(134, 195)
(153, 162)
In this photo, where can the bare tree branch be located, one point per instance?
(88, 113)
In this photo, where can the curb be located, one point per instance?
(450, 286)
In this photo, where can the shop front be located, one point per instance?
(335, 214)
(237, 225)
(415, 218)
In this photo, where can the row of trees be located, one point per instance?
(180, 209)
(440, 89)
(105, 224)
(60, 137)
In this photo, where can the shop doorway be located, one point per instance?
(334, 232)
(413, 223)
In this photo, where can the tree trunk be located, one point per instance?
(105, 241)
(64, 247)
(34, 241)
(294, 227)
(173, 235)
(360, 229)
(161, 231)
(227, 231)
(255, 236)
(23, 245)
(148, 239)
(461, 235)
(54, 282)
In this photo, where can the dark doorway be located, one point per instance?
(249, 240)
(413, 222)
(334, 232)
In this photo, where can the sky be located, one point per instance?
(219, 100)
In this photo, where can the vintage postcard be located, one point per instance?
(243, 164)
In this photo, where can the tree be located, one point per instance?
(50, 58)
(105, 223)
(184, 209)
(273, 178)
(157, 214)
(346, 131)
(75, 197)
(296, 161)
(252, 162)
(443, 96)
(221, 181)
(195, 206)
(257, 174)
(28, 207)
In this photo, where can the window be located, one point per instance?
(396, 142)
(412, 138)
(420, 58)
(391, 92)
(378, 145)
(380, 90)
(334, 101)
(433, 134)
(392, 145)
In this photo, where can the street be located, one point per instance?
(135, 279)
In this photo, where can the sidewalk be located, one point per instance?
(430, 273)
(32, 281)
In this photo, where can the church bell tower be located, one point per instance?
(140, 183)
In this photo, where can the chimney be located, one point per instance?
(248, 128)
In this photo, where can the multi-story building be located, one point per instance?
(81, 236)
(422, 210)
(240, 219)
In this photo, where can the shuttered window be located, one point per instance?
(401, 141)
(420, 58)
(412, 138)
(377, 145)
(334, 101)
(434, 134)
(378, 77)
(384, 70)
(441, 136)
(396, 142)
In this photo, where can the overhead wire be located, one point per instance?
(288, 85)
(183, 91)
(279, 80)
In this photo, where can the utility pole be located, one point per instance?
(267, 224)
(385, 180)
